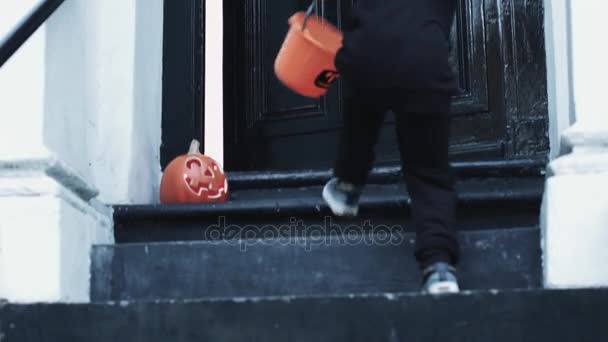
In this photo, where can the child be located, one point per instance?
(395, 57)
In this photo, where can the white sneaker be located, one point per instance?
(440, 278)
(342, 197)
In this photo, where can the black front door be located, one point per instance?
(500, 112)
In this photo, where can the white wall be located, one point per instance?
(94, 73)
(103, 98)
(589, 55)
(80, 108)
(214, 97)
(21, 90)
(144, 175)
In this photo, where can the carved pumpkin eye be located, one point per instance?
(193, 163)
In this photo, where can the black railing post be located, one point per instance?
(24, 30)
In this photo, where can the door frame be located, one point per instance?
(183, 109)
(234, 157)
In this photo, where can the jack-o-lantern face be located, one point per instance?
(204, 177)
(193, 178)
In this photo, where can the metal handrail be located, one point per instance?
(24, 30)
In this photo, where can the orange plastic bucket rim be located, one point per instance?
(321, 27)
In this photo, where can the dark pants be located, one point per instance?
(423, 144)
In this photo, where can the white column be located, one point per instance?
(575, 208)
(558, 71)
(49, 218)
(80, 124)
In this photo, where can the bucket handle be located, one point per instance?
(311, 9)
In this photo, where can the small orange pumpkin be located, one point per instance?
(193, 178)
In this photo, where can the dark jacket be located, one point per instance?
(399, 44)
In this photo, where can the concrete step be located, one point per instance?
(387, 174)
(484, 203)
(321, 265)
(497, 316)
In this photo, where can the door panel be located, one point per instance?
(269, 127)
(270, 105)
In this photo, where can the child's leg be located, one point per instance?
(423, 143)
(363, 117)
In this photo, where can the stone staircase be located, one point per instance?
(304, 266)
(273, 265)
(498, 316)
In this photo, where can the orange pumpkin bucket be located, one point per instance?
(305, 63)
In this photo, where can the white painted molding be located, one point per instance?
(49, 220)
(587, 135)
(51, 166)
(589, 151)
(574, 223)
(580, 163)
(574, 215)
(40, 185)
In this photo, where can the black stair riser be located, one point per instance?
(535, 316)
(223, 228)
(311, 266)
(213, 226)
